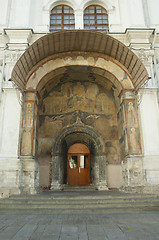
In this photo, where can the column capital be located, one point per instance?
(127, 95)
(30, 96)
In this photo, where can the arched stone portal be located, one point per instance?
(79, 133)
(74, 92)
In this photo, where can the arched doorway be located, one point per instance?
(78, 164)
(92, 144)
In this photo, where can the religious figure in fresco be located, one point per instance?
(131, 114)
(91, 94)
(120, 128)
(26, 142)
(66, 90)
(72, 96)
(116, 96)
(79, 90)
(28, 115)
(133, 140)
(126, 83)
(102, 103)
(112, 152)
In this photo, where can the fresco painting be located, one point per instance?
(26, 144)
(77, 96)
(133, 131)
(131, 113)
(84, 103)
(122, 129)
(113, 152)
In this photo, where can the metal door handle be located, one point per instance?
(79, 169)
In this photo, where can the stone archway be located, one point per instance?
(79, 133)
(63, 66)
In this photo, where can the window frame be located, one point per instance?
(96, 24)
(62, 14)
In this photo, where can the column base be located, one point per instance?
(56, 186)
(133, 172)
(28, 176)
(102, 187)
(7, 192)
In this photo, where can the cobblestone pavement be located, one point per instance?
(111, 226)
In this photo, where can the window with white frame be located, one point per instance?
(62, 18)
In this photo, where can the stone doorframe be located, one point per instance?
(80, 133)
(107, 57)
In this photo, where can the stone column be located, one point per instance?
(29, 167)
(129, 124)
(130, 141)
(100, 180)
(55, 184)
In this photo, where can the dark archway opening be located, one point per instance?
(79, 134)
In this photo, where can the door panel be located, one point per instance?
(84, 178)
(78, 164)
(78, 169)
(73, 170)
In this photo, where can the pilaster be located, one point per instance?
(130, 140)
(29, 167)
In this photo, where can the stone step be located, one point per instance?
(78, 205)
(78, 201)
(79, 196)
(78, 210)
(79, 188)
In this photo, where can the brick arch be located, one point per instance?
(81, 134)
(64, 42)
(100, 65)
(107, 4)
(94, 72)
(51, 4)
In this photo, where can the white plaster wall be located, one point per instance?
(3, 13)
(151, 168)
(153, 6)
(150, 130)
(124, 14)
(114, 176)
(9, 173)
(20, 14)
(9, 140)
(35, 13)
(10, 122)
(150, 121)
(136, 15)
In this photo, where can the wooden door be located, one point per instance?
(78, 165)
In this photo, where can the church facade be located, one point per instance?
(79, 92)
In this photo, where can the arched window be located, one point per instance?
(96, 18)
(62, 18)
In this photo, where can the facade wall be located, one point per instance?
(122, 14)
(135, 23)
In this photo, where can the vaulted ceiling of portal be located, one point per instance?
(78, 74)
(78, 41)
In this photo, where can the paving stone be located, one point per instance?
(25, 232)
(115, 234)
(9, 233)
(112, 226)
(38, 232)
(83, 236)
